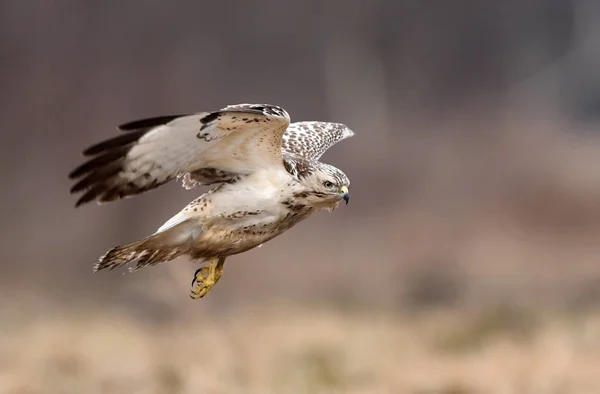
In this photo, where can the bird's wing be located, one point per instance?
(239, 139)
(310, 140)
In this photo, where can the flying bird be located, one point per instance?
(265, 175)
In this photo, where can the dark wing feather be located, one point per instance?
(136, 128)
(148, 123)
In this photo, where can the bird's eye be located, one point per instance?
(328, 184)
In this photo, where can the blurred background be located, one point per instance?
(467, 261)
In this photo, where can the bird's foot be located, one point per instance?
(206, 277)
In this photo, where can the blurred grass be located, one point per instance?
(287, 350)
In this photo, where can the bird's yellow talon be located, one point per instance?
(206, 277)
(200, 275)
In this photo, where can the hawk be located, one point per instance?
(265, 173)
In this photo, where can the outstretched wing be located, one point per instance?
(239, 139)
(310, 140)
(307, 140)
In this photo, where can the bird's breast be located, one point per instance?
(250, 212)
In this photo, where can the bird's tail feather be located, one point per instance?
(159, 247)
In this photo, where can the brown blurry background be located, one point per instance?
(468, 260)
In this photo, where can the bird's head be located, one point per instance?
(325, 186)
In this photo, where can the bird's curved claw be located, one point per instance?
(206, 277)
(200, 275)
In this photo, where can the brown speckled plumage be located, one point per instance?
(265, 172)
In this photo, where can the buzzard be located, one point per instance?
(265, 172)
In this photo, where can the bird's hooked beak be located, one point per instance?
(345, 194)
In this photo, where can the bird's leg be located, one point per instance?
(206, 277)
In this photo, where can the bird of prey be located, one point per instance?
(265, 173)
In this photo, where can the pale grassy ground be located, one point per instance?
(281, 350)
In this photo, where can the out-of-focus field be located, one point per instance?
(288, 350)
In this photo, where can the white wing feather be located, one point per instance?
(239, 139)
